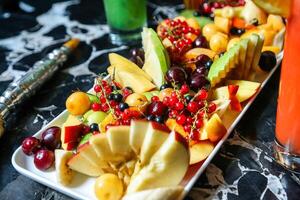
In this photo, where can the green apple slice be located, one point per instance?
(156, 58)
(222, 66)
(257, 53)
(250, 54)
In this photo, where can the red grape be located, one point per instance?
(157, 108)
(43, 159)
(198, 81)
(200, 42)
(51, 138)
(30, 145)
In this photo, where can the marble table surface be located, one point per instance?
(243, 168)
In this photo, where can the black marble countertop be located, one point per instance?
(242, 169)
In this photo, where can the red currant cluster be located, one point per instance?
(178, 32)
(112, 99)
(189, 111)
(208, 7)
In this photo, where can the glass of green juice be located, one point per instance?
(126, 19)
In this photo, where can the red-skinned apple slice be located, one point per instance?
(71, 131)
(88, 152)
(80, 164)
(200, 151)
(102, 148)
(69, 146)
(166, 168)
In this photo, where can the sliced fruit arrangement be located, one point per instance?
(167, 106)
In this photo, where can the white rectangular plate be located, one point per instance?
(82, 186)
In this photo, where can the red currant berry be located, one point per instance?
(104, 107)
(104, 83)
(174, 94)
(195, 135)
(189, 120)
(97, 88)
(113, 103)
(181, 119)
(201, 104)
(212, 107)
(155, 98)
(173, 101)
(102, 99)
(187, 128)
(199, 123)
(179, 106)
(201, 114)
(166, 101)
(197, 32)
(184, 89)
(192, 107)
(202, 95)
(206, 8)
(96, 106)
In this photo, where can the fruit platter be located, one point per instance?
(151, 125)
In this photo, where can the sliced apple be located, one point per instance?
(138, 83)
(82, 165)
(87, 151)
(124, 64)
(156, 59)
(193, 53)
(244, 92)
(101, 146)
(109, 119)
(251, 85)
(70, 132)
(214, 128)
(138, 130)
(200, 151)
(154, 138)
(167, 167)
(118, 140)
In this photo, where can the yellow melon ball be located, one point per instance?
(78, 103)
(209, 30)
(108, 187)
(218, 42)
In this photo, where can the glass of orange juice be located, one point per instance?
(287, 145)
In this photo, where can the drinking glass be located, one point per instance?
(126, 18)
(287, 144)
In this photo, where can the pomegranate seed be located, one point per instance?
(97, 88)
(185, 30)
(184, 24)
(206, 8)
(197, 31)
(171, 38)
(184, 89)
(181, 119)
(192, 107)
(179, 106)
(173, 23)
(96, 106)
(167, 21)
(154, 98)
(212, 107)
(199, 123)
